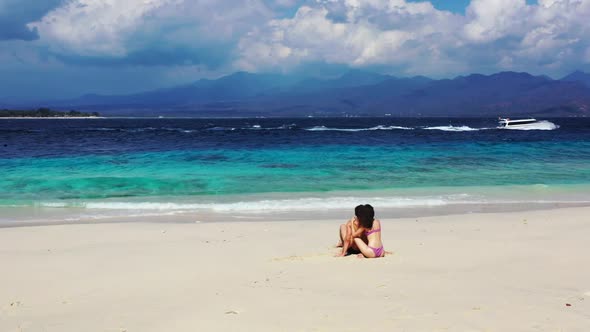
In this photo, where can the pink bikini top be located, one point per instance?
(367, 233)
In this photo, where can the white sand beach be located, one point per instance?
(511, 271)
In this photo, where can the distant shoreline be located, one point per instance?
(50, 117)
(47, 113)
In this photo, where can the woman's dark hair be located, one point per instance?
(366, 215)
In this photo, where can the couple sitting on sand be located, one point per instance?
(362, 234)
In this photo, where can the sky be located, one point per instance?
(67, 48)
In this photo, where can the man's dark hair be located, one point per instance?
(357, 210)
(366, 215)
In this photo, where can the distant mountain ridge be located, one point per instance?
(354, 93)
(578, 76)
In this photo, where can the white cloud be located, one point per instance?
(493, 19)
(416, 38)
(367, 33)
(398, 36)
(114, 28)
(90, 27)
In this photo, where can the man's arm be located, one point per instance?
(358, 232)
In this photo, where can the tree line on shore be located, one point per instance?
(45, 113)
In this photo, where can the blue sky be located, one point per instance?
(458, 6)
(66, 48)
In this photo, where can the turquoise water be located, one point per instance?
(161, 163)
(329, 168)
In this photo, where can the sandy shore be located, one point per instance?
(515, 271)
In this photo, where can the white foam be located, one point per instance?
(180, 130)
(53, 204)
(286, 126)
(379, 127)
(249, 205)
(259, 127)
(265, 205)
(452, 128)
(162, 206)
(221, 129)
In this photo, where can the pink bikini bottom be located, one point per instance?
(378, 251)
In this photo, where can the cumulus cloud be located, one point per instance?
(155, 32)
(357, 33)
(215, 37)
(260, 35)
(490, 20)
(167, 41)
(416, 38)
(89, 27)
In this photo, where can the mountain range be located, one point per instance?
(354, 93)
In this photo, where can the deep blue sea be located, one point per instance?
(263, 164)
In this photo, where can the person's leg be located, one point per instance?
(343, 230)
(354, 247)
(364, 248)
(342, 234)
(345, 234)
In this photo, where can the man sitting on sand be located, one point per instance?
(348, 232)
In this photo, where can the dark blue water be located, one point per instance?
(95, 159)
(66, 138)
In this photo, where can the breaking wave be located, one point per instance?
(264, 205)
(379, 127)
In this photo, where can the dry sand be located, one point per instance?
(518, 271)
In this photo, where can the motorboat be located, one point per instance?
(528, 123)
(507, 122)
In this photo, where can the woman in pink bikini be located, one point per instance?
(367, 237)
(372, 228)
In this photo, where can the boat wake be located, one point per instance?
(540, 125)
(453, 128)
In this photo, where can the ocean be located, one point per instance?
(73, 169)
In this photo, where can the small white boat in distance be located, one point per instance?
(506, 122)
(525, 124)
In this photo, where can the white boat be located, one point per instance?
(525, 124)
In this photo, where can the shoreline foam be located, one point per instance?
(400, 202)
(27, 217)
